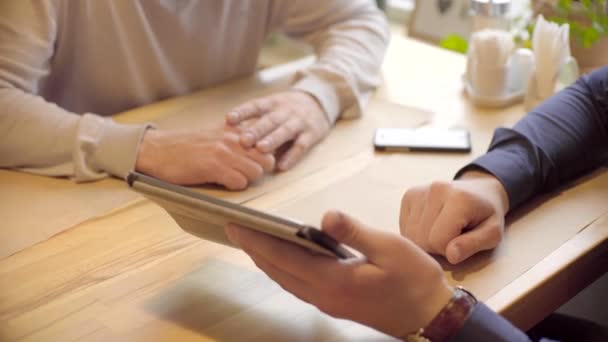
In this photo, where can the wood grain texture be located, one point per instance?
(133, 275)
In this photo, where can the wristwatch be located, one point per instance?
(449, 320)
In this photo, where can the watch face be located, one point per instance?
(444, 5)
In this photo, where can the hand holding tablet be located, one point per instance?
(205, 216)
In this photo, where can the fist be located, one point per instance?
(455, 219)
(292, 118)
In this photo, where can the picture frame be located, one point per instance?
(433, 20)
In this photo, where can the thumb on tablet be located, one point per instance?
(353, 233)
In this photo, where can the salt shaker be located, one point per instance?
(490, 14)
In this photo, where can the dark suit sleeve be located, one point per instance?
(561, 139)
(486, 325)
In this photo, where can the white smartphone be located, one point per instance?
(205, 217)
(422, 139)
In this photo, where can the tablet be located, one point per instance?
(206, 216)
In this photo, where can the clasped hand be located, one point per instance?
(455, 219)
(197, 156)
(277, 120)
(240, 153)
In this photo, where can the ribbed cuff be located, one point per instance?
(105, 147)
(118, 147)
(324, 92)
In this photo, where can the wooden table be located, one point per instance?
(133, 275)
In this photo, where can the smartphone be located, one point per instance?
(422, 139)
(206, 216)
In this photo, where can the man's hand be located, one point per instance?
(291, 116)
(455, 219)
(395, 287)
(191, 157)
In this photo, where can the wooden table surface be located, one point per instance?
(133, 275)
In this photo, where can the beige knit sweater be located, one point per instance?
(64, 64)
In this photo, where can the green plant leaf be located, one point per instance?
(455, 43)
(594, 11)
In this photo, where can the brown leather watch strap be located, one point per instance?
(451, 318)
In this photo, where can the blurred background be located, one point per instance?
(588, 27)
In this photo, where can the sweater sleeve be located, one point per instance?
(561, 139)
(39, 136)
(349, 38)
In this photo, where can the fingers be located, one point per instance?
(280, 119)
(262, 127)
(461, 211)
(412, 207)
(282, 134)
(432, 210)
(289, 257)
(404, 214)
(486, 236)
(446, 226)
(232, 157)
(266, 160)
(324, 282)
(249, 110)
(231, 179)
(382, 249)
(296, 152)
(371, 243)
(298, 287)
(247, 167)
(433, 216)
